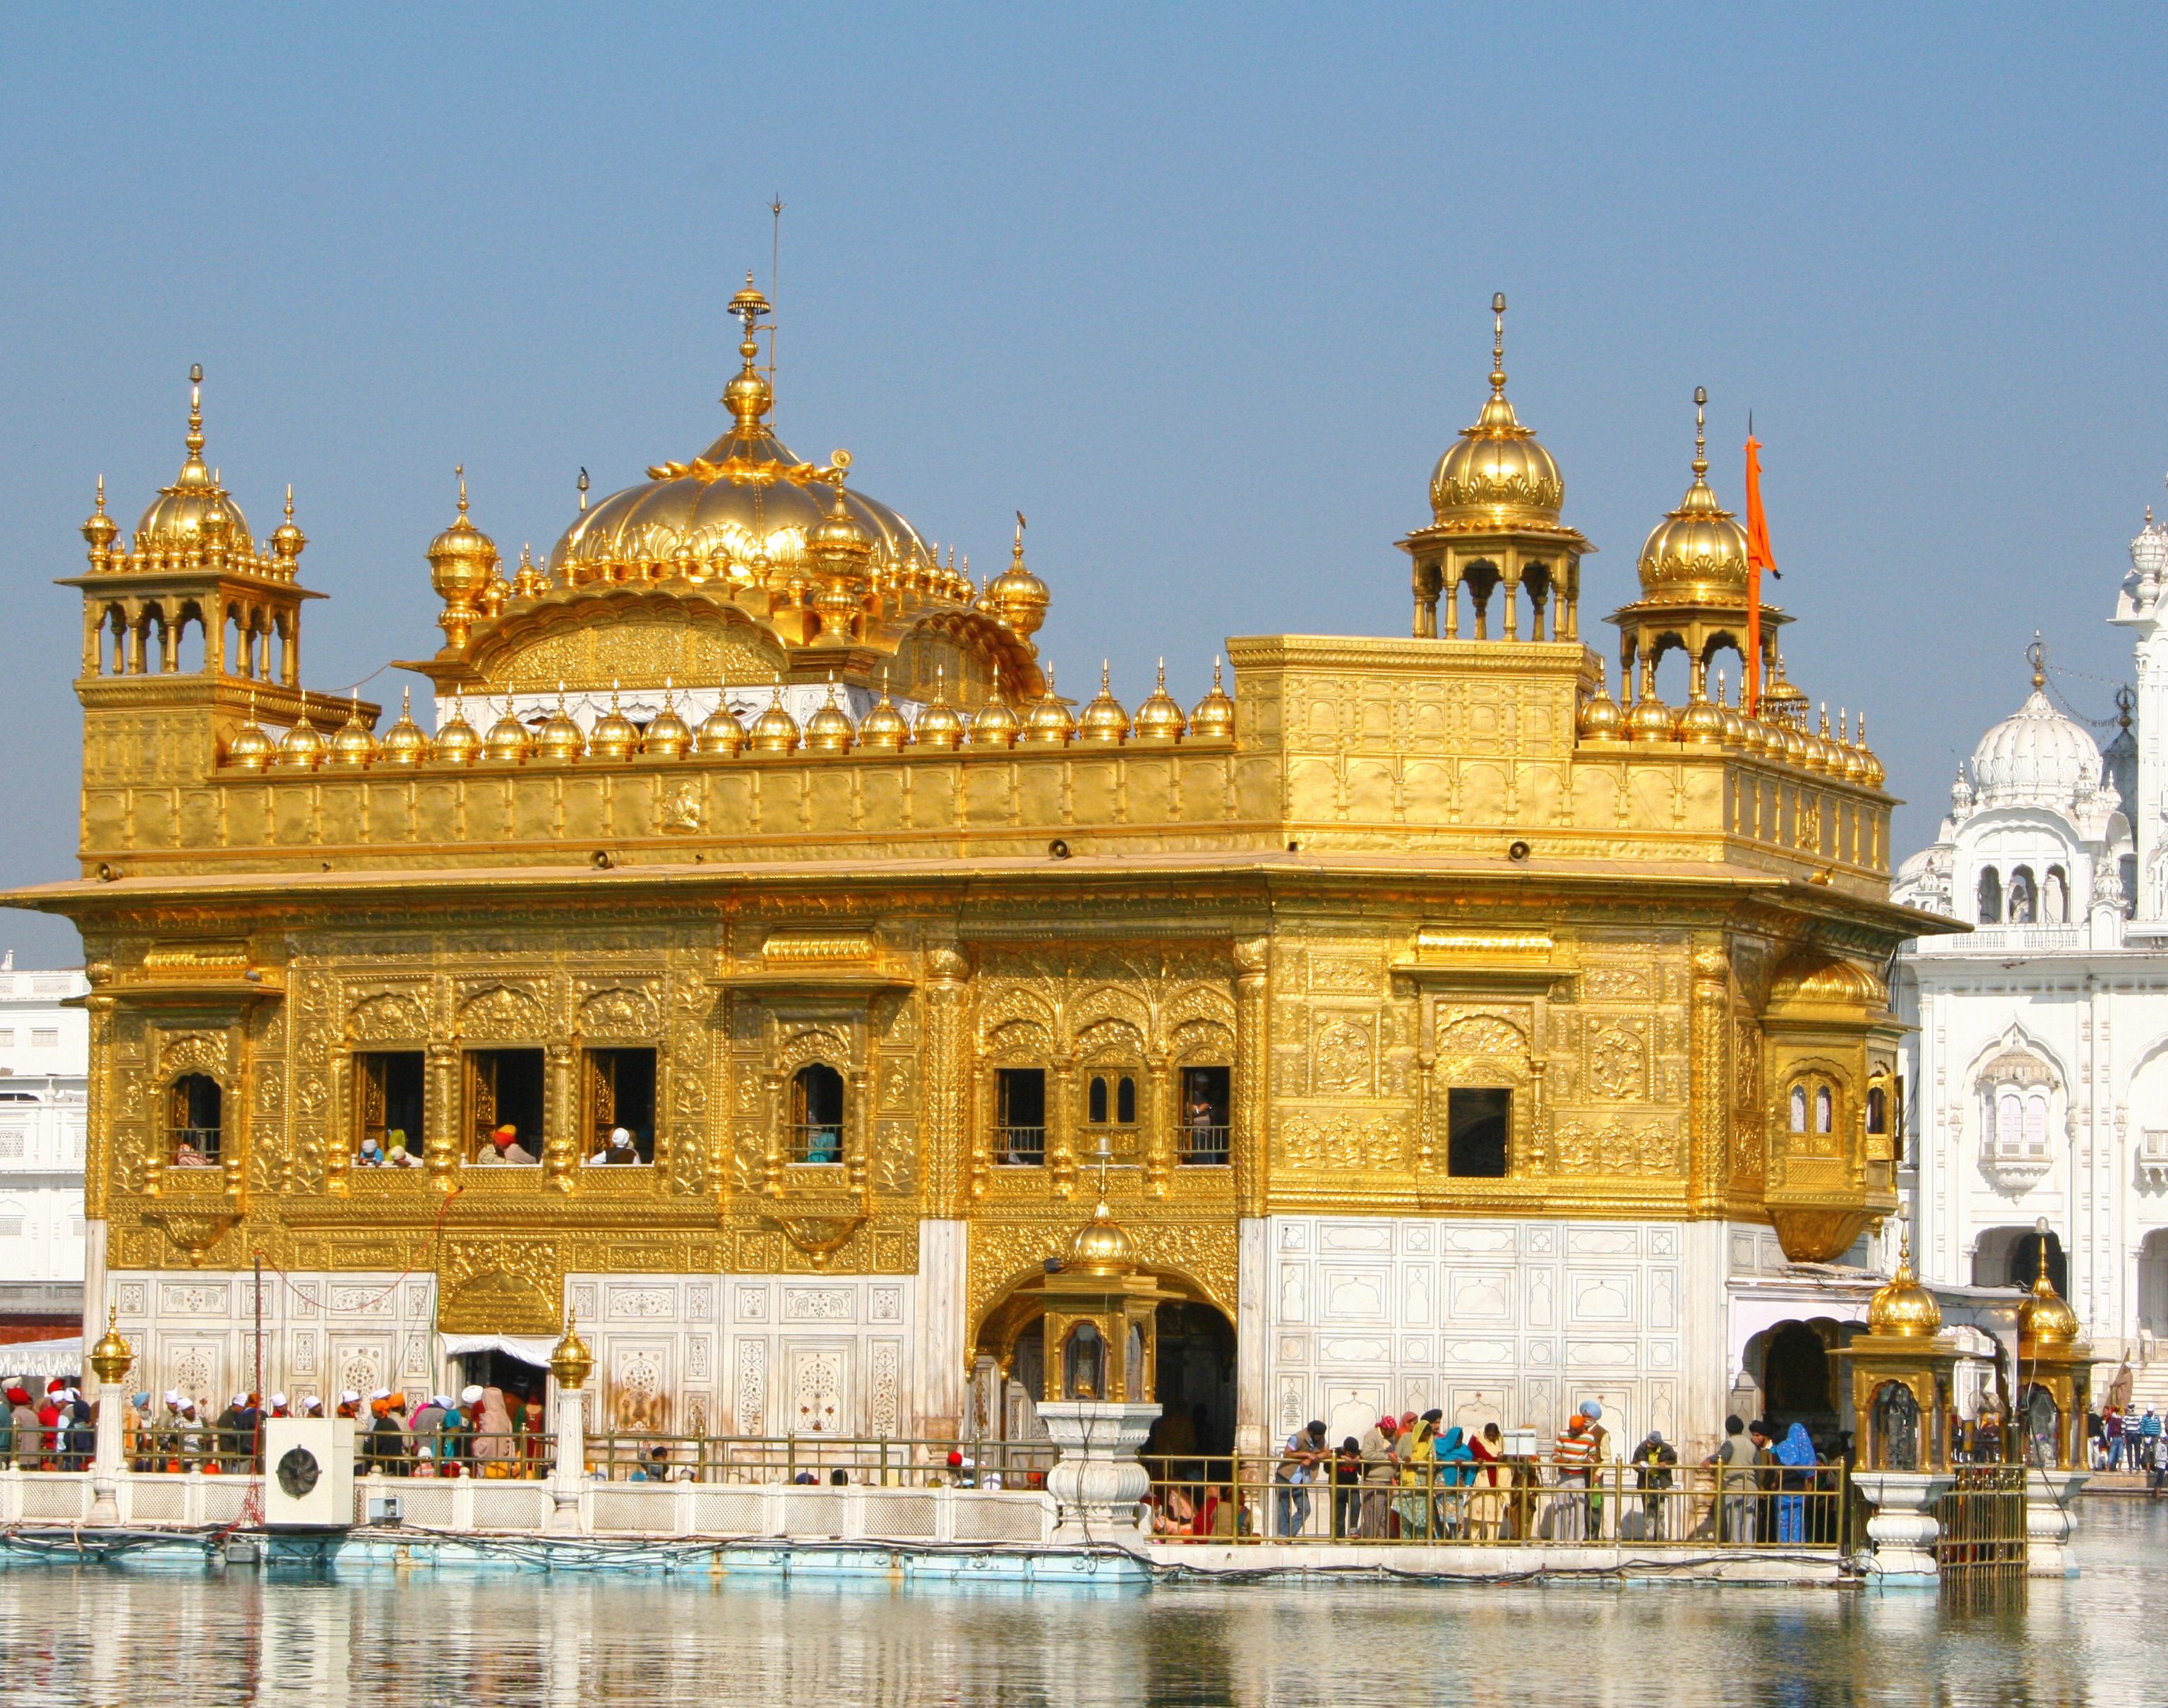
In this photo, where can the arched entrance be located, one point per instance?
(2009, 1257)
(1791, 1363)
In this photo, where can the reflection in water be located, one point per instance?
(103, 1637)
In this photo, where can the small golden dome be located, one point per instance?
(1049, 725)
(1019, 596)
(1159, 720)
(1651, 719)
(1901, 1307)
(667, 736)
(838, 536)
(1600, 718)
(560, 740)
(111, 1357)
(404, 743)
(251, 748)
(1762, 742)
(1104, 723)
(720, 731)
(1850, 759)
(1871, 774)
(1734, 725)
(462, 559)
(509, 741)
(938, 726)
(530, 583)
(1701, 724)
(456, 742)
(180, 519)
(1101, 1247)
(615, 735)
(353, 743)
(995, 725)
(829, 728)
(1822, 753)
(301, 748)
(287, 540)
(570, 1362)
(775, 730)
(1214, 719)
(98, 529)
(2046, 1318)
(885, 729)
(1698, 551)
(1494, 473)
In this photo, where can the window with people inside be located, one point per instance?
(816, 1114)
(1813, 1109)
(1111, 1118)
(2024, 897)
(503, 1125)
(195, 1121)
(388, 1108)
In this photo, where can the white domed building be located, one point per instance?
(2038, 1077)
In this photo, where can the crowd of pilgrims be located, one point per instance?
(485, 1432)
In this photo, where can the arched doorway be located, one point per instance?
(1798, 1381)
(2152, 1283)
(1195, 1384)
(2009, 1257)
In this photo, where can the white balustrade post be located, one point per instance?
(568, 1478)
(1904, 1529)
(109, 1360)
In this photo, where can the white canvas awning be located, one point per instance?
(527, 1349)
(43, 1357)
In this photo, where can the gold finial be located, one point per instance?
(111, 1357)
(195, 439)
(462, 472)
(1106, 677)
(1498, 344)
(2037, 654)
(1701, 431)
(101, 495)
(1216, 688)
(290, 501)
(583, 491)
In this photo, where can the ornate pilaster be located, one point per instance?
(1252, 1086)
(943, 1093)
(1709, 1170)
(440, 1146)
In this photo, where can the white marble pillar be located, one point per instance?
(1904, 1527)
(568, 1480)
(105, 1468)
(943, 1271)
(1704, 1306)
(1097, 1481)
(1253, 1292)
(2050, 1517)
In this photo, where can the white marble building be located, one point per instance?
(2038, 1079)
(44, 1055)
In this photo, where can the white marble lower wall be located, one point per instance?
(197, 1333)
(1506, 1321)
(749, 1355)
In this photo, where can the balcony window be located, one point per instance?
(504, 1107)
(194, 1122)
(1207, 1103)
(816, 1114)
(1020, 1117)
(387, 1117)
(618, 1088)
(1110, 1116)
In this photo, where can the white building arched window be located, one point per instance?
(1990, 897)
(2017, 1091)
(2055, 898)
(2024, 899)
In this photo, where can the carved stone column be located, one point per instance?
(944, 1096)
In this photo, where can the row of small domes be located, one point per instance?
(939, 726)
(1706, 722)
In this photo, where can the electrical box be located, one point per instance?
(308, 1473)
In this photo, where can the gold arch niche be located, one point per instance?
(1019, 1303)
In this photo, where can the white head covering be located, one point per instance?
(380, 1394)
(173, 1397)
(312, 1404)
(239, 1401)
(470, 1395)
(621, 1136)
(352, 1397)
(278, 1399)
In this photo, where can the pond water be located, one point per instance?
(103, 1637)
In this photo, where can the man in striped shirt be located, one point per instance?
(1571, 1454)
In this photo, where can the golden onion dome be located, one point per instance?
(1651, 719)
(745, 502)
(1049, 725)
(463, 559)
(1018, 597)
(1901, 1307)
(456, 742)
(775, 730)
(560, 738)
(404, 743)
(839, 535)
(98, 529)
(938, 725)
(1495, 475)
(1822, 755)
(2046, 1318)
(615, 735)
(111, 1357)
(829, 728)
(301, 748)
(509, 741)
(1871, 774)
(1697, 553)
(995, 725)
(287, 540)
(1101, 1247)
(720, 731)
(1158, 720)
(1761, 740)
(1735, 723)
(1701, 723)
(1850, 760)
(1104, 723)
(251, 748)
(195, 512)
(1214, 719)
(569, 1361)
(1600, 718)
(530, 583)
(667, 736)
(885, 729)
(353, 743)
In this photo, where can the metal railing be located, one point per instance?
(1507, 1501)
(396, 1452)
(1204, 1146)
(816, 1142)
(818, 1458)
(1981, 1522)
(1020, 1147)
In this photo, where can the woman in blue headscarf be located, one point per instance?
(1456, 1468)
(1793, 1453)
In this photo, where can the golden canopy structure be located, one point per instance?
(758, 960)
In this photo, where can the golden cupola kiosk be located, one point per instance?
(1901, 1374)
(2054, 1393)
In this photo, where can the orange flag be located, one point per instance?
(1759, 558)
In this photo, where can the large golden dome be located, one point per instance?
(195, 509)
(1697, 551)
(1495, 475)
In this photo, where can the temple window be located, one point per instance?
(1479, 1121)
(2024, 907)
(1990, 898)
(1110, 1114)
(1824, 1105)
(617, 1096)
(1207, 1098)
(504, 1106)
(1020, 1117)
(194, 1122)
(1799, 1101)
(1083, 1363)
(816, 1114)
(2055, 898)
(387, 1108)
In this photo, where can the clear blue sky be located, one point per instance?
(1203, 292)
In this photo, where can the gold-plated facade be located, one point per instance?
(1296, 926)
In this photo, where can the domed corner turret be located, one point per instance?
(463, 565)
(2037, 756)
(1018, 597)
(1159, 721)
(1214, 717)
(1495, 473)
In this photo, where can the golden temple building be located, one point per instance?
(759, 957)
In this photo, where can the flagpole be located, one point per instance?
(1758, 558)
